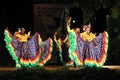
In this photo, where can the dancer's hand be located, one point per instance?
(6, 28)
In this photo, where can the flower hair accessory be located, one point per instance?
(19, 29)
(84, 27)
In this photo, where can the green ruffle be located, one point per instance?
(72, 47)
(7, 40)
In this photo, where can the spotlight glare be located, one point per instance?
(73, 21)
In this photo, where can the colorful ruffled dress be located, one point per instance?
(28, 53)
(88, 50)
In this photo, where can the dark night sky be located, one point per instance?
(16, 13)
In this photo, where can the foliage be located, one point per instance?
(113, 23)
(88, 7)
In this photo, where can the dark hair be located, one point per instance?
(87, 23)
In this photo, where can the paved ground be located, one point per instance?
(116, 67)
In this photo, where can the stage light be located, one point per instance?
(73, 21)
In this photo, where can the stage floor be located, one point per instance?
(115, 67)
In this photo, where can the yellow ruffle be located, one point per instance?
(87, 37)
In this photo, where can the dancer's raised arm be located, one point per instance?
(68, 20)
(55, 39)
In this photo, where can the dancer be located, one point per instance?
(26, 50)
(62, 43)
(86, 48)
(62, 46)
